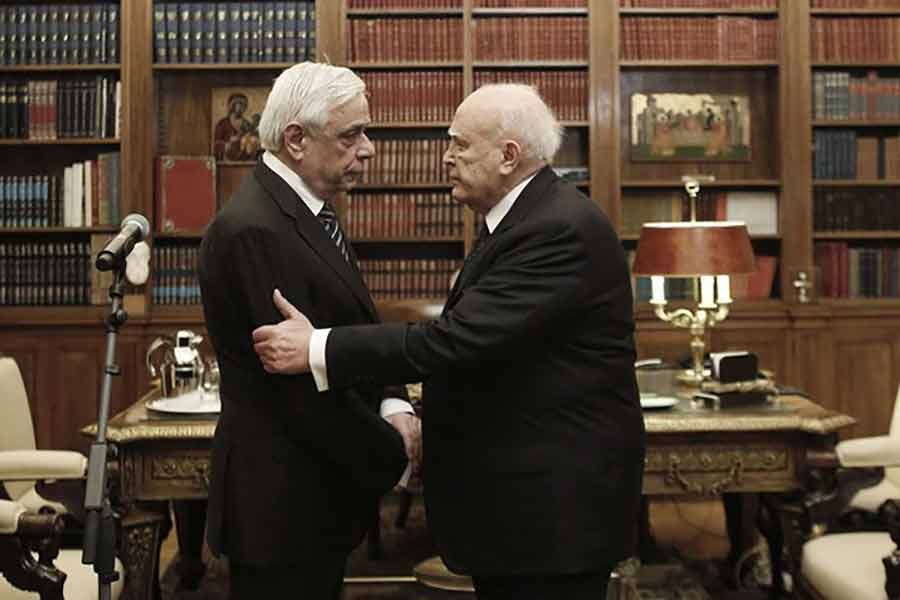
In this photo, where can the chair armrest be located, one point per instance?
(27, 465)
(880, 451)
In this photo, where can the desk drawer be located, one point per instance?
(155, 473)
(709, 470)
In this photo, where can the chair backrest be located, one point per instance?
(892, 474)
(17, 432)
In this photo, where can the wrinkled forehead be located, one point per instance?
(351, 114)
(475, 121)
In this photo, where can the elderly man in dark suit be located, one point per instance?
(533, 433)
(296, 473)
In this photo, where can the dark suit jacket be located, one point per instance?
(533, 432)
(295, 472)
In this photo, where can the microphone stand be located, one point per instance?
(100, 526)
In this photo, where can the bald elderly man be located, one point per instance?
(533, 438)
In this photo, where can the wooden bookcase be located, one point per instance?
(844, 351)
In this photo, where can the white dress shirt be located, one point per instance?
(389, 406)
(320, 336)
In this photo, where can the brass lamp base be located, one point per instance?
(432, 572)
(688, 378)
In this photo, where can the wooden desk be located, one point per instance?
(690, 451)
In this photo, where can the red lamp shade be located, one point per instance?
(694, 248)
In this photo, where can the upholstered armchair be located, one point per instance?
(840, 558)
(30, 524)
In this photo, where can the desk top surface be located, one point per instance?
(787, 413)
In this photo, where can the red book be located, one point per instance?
(185, 192)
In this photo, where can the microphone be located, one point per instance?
(134, 228)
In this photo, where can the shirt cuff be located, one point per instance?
(393, 406)
(317, 365)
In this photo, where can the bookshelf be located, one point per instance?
(688, 72)
(842, 350)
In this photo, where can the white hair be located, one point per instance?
(525, 117)
(305, 94)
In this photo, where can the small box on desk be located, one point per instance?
(728, 367)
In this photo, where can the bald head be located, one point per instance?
(500, 135)
(516, 111)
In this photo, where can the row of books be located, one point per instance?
(852, 4)
(566, 91)
(858, 271)
(856, 38)
(41, 273)
(50, 34)
(72, 108)
(758, 209)
(457, 4)
(434, 95)
(757, 285)
(405, 39)
(722, 37)
(403, 214)
(844, 154)
(395, 279)
(856, 210)
(531, 38)
(840, 95)
(87, 195)
(698, 3)
(530, 3)
(413, 95)
(29, 201)
(234, 32)
(174, 268)
(408, 160)
(369, 4)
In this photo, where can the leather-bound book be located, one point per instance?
(185, 192)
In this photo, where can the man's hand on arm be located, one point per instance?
(284, 347)
(410, 428)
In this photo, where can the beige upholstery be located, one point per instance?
(9, 516)
(847, 566)
(20, 465)
(18, 430)
(872, 452)
(46, 465)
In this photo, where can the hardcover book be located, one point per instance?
(185, 192)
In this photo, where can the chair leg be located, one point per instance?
(24, 572)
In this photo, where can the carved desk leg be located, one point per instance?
(139, 551)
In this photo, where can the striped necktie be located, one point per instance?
(333, 228)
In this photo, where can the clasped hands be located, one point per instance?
(284, 348)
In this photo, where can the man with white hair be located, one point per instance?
(533, 433)
(296, 473)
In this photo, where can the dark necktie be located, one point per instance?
(483, 235)
(333, 228)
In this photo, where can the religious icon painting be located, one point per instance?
(674, 127)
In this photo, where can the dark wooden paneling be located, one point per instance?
(185, 111)
(866, 369)
(27, 354)
(228, 180)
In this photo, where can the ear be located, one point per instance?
(295, 141)
(512, 153)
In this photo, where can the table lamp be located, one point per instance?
(712, 251)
